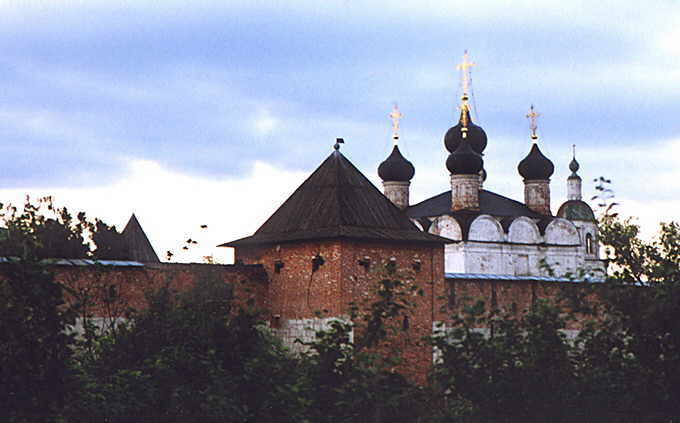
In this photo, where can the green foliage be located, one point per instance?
(34, 346)
(502, 368)
(110, 244)
(185, 358)
(40, 230)
(623, 366)
(639, 333)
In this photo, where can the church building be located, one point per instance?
(324, 247)
(490, 233)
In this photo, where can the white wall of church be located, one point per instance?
(521, 251)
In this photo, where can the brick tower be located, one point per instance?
(325, 246)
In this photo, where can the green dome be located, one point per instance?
(576, 210)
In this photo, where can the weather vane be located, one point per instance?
(532, 116)
(338, 141)
(395, 116)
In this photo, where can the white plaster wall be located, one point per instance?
(397, 192)
(454, 258)
(304, 330)
(562, 232)
(486, 228)
(446, 226)
(511, 259)
(524, 230)
(490, 251)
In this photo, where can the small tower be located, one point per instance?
(466, 142)
(581, 215)
(574, 181)
(396, 172)
(536, 169)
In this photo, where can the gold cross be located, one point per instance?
(464, 66)
(532, 115)
(395, 116)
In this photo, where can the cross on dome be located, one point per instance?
(395, 115)
(464, 67)
(532, 116)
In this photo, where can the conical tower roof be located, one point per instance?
(337, 201)
(137, 242)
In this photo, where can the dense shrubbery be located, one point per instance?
(192, 357)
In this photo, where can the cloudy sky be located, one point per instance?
(202, 112)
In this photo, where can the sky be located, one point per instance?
(212, 112)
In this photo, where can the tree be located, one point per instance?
(189, 356)
(110, 244)
(36, 339)
(40, 230)
(496, 366)
(35, 347)
(635, 347)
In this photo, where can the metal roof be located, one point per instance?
(487, 276)
(80, 262)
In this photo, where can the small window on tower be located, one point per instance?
(589, 244)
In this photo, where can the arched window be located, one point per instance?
(589, 244)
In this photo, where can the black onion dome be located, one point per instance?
(535, 165)
(464, 160)
(475, 134)
(574, 166)
(396, 167)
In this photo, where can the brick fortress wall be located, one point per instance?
(113, 290)
(507, 296)
(350, 273)
(292, 294)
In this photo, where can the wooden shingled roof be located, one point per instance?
(137, 243)
(337, 201)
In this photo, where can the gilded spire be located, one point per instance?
(395, 116)
(532, 116)
(464, 68)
